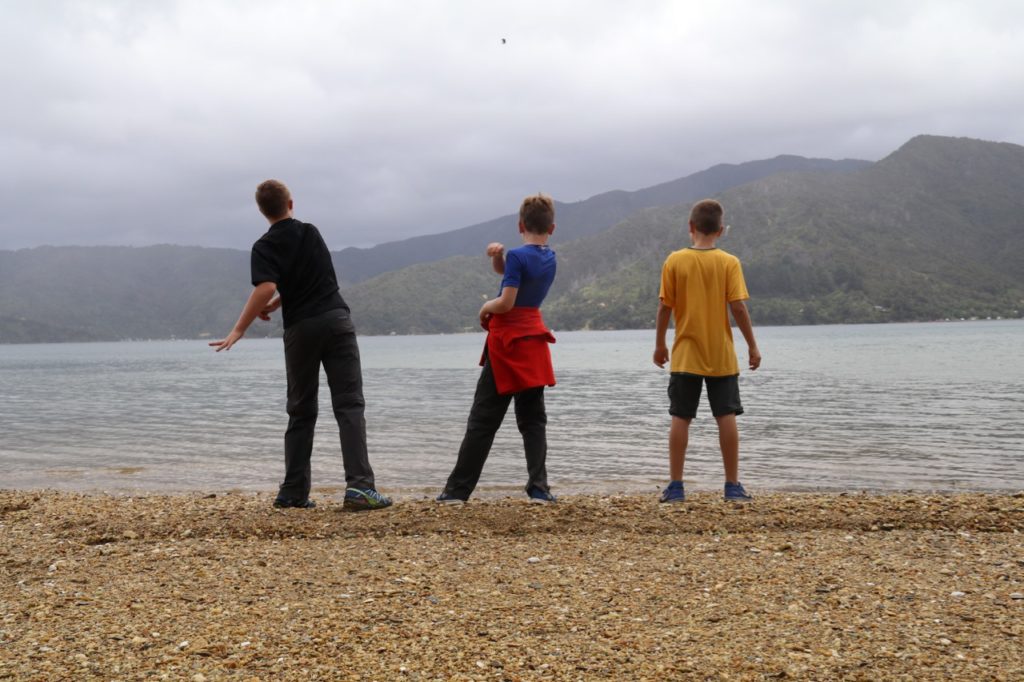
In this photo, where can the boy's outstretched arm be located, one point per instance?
(742, 317)
(496, 250)
(258, 301)
(661, 326)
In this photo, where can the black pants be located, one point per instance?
(329, 338)
(485, 418)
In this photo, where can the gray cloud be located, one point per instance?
(141, 123)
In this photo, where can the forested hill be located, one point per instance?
(577, 219)
(935, 230)
(75, 293)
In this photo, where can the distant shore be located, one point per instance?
(475, 331)
(820, 586)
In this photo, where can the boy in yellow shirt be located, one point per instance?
(698, 285)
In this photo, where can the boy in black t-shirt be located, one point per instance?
(292, 261)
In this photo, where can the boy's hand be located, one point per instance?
(660, 356)
(495, 249)
(755, 358)
(228, 341)
(485, 319)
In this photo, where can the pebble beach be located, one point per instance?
(792, 586)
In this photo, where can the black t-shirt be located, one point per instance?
(293, 255)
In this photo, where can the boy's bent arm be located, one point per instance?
(497, 306)
(274, 304)
(661, 326)
(258, 301)
(742, 317)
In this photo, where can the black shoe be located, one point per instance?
(286, 502)
(362, 499)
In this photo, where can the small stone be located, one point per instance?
(533, 560)
(957, 594)
(1017, 595)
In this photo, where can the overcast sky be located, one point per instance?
(152, 122)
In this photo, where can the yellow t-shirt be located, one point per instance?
(699, 284)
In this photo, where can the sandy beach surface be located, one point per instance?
(793, 586)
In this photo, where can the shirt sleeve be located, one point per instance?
(667, 293)
(264, 265)
(736, 287)
(513, 271)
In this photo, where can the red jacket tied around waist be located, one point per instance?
(517, 344)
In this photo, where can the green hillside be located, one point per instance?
(75, 293)
(575, 220)
(936, 230)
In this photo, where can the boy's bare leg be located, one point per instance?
(729, 441)
(678, 438)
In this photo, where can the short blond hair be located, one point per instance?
(272, 196)
(537, 213)
(706, 216)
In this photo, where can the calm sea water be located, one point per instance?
(877, 407)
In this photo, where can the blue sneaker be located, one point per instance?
(734, 492)
(446, 498)
(361, 499)
(538, 496)
(673, 493)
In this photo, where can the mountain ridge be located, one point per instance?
(933, 230)
(865, 246)
(574, 219)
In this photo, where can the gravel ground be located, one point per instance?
(805, 586)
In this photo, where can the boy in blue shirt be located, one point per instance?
(516, 359)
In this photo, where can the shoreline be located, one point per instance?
(496, 491)
(214, 585)
(206, 336)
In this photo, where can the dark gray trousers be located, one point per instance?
(328, 339)
(485, 418)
